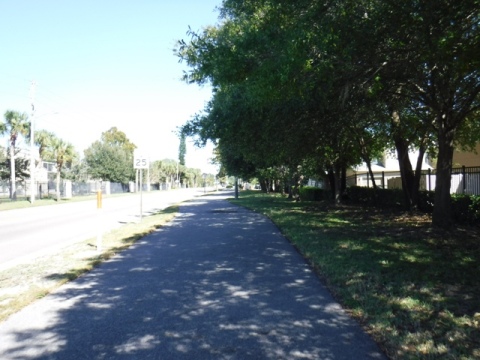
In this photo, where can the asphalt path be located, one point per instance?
(31, 232)
(219, 282)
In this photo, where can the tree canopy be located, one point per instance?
(111, 158)
(15, 124)
(182, 149)
(327, 85)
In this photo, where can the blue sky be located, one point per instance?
(98, 64)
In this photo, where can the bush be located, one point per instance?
(466, 208)
(475, 208)
(425, 201)
(310, 193)
(375, 197)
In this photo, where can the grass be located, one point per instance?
(23, 202)
(22, 284)
(415, 289)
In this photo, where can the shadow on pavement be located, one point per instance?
(220, 282)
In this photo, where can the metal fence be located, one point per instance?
(44, 189)
(48, 188)
(465, 180)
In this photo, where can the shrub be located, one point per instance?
(310, 193)
(375, 197)
(466, 208)
(475, 208)
(425, 201)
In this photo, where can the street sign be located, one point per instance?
(140, 161)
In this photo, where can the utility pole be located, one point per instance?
(32, 143)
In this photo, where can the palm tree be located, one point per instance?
(43, 139)
(15, 124)
(62, 153)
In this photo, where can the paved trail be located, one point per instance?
(220, 282)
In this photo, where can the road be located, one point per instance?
(28, 233)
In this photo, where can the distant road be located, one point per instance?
(27, 233)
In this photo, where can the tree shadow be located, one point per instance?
(417, 287)
(218, 282)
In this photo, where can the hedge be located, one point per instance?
(311, 193)
(375, 197)
(466, 208)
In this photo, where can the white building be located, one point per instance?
(386, 171)
(465, 174)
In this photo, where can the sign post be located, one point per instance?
(140, 162)
(99, 220)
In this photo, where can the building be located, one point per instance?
(467, 159)
(465, 173)
(386, 171)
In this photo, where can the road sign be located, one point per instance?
(140, 161)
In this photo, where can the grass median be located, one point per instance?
(415, 289)
(22, 284)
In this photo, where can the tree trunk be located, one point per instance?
(442, 211)
(418, 175)
(263, 185)
(370, 172)
(13, 185)
(331, 181)
(236, 187)
(337, 179)
(290, 187)
(406, 171)
(366, 158)
(57, 185)
(343, 182)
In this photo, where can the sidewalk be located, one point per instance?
(220, 282)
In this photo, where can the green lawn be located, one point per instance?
(23, 202)
(415, 289)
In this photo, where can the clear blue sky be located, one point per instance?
(99, 64)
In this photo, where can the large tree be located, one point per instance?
(116, 138)
(111, 158)
(15, 124)
(276, 100)
(449, 81)
(427, 56)
(414, 63)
